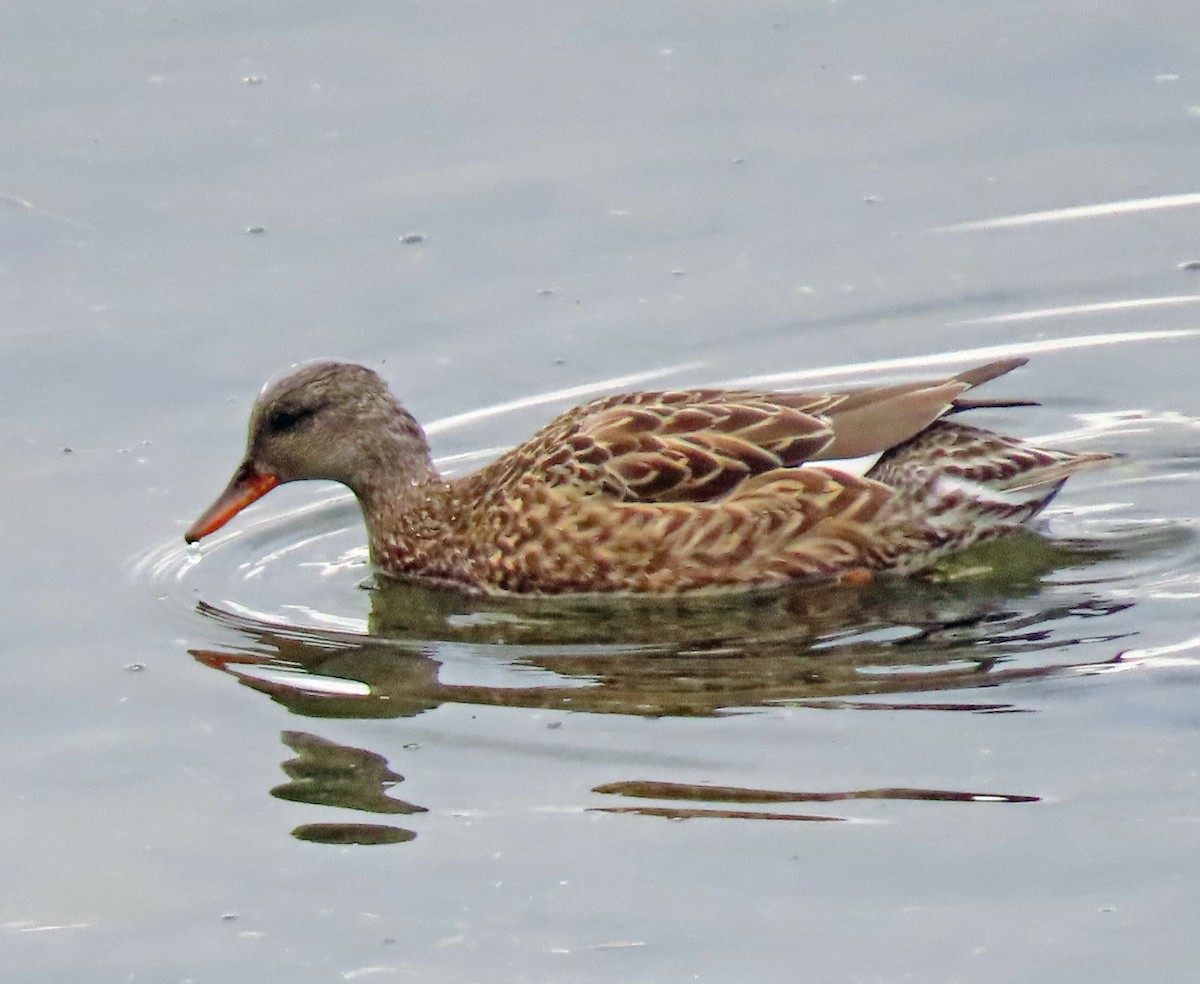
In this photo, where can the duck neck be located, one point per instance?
(397, 485)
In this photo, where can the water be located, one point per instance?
(257, 761)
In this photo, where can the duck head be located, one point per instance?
(325, 420)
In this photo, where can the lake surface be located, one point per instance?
(257, 761)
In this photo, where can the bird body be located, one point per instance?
(659, 492)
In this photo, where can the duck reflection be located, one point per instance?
(828, 646)
(325, 773)
(988, 621)
(741, 795)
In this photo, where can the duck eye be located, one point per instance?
(281, 421)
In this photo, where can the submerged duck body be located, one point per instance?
(659, 492)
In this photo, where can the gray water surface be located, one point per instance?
(257, 761)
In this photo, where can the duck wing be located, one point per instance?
(701, 448)
(703, 445)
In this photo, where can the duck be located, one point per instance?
(661, 492)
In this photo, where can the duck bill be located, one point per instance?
(246, 486)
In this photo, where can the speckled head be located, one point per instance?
(324, 420)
